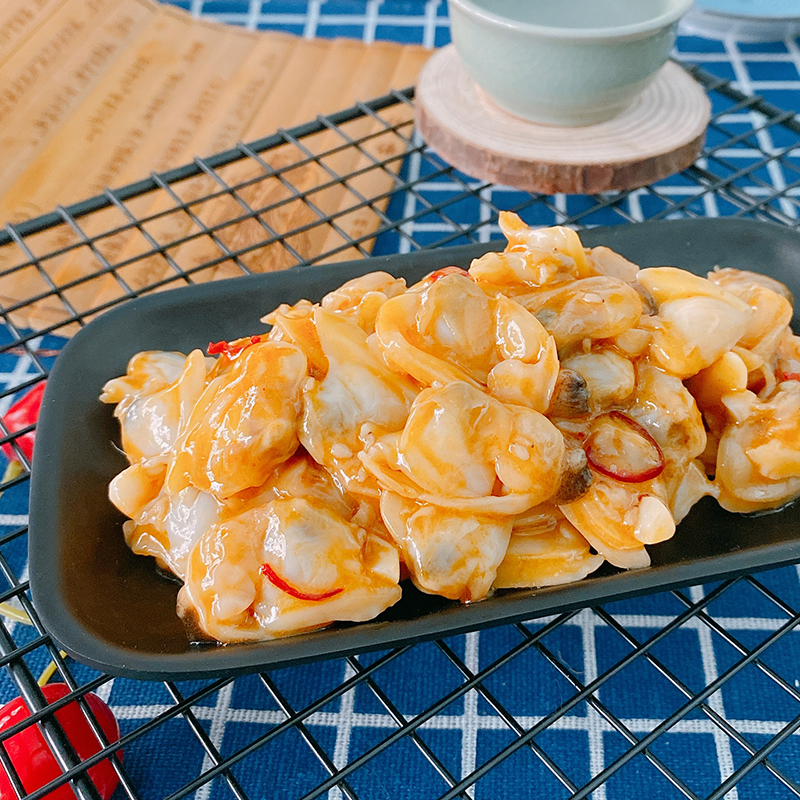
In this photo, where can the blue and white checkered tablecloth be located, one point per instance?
(469, 732)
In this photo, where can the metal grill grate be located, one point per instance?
(349, 727)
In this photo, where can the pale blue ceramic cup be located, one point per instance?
(564, 62)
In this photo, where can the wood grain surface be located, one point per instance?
(658, 134)
(101, 93)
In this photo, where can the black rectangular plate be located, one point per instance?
(110, 609)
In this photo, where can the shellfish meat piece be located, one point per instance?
(287, 567)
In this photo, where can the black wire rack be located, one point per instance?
(347, 185)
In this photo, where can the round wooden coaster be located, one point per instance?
(660, 133)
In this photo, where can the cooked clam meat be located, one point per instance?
(514, 425)
(361, 298)
(427, 334)
(533, 257)
(618, 519)
(462, 448)
(687, 305)
(358, 398)
(244, 424)
(770, 302)
(169, 526)
(449, 553)
(289, 566)
(154, 400)
(758, 459)
(591, 308)
(545, 550)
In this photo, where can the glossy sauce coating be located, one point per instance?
(514, 425)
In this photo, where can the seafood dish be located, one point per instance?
(511, 426)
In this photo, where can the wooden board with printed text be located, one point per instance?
(98, 94)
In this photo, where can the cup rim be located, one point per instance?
(747, 18)
(553, 32)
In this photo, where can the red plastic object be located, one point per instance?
(23, 413)
(32, 758)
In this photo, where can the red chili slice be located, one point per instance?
(231, 348)
(787, 368)
(618, 440)
(276, 580)
(441, 273)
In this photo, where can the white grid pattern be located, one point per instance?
(721, 741)
(470, 723)
(764, 139)
(586, 622)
